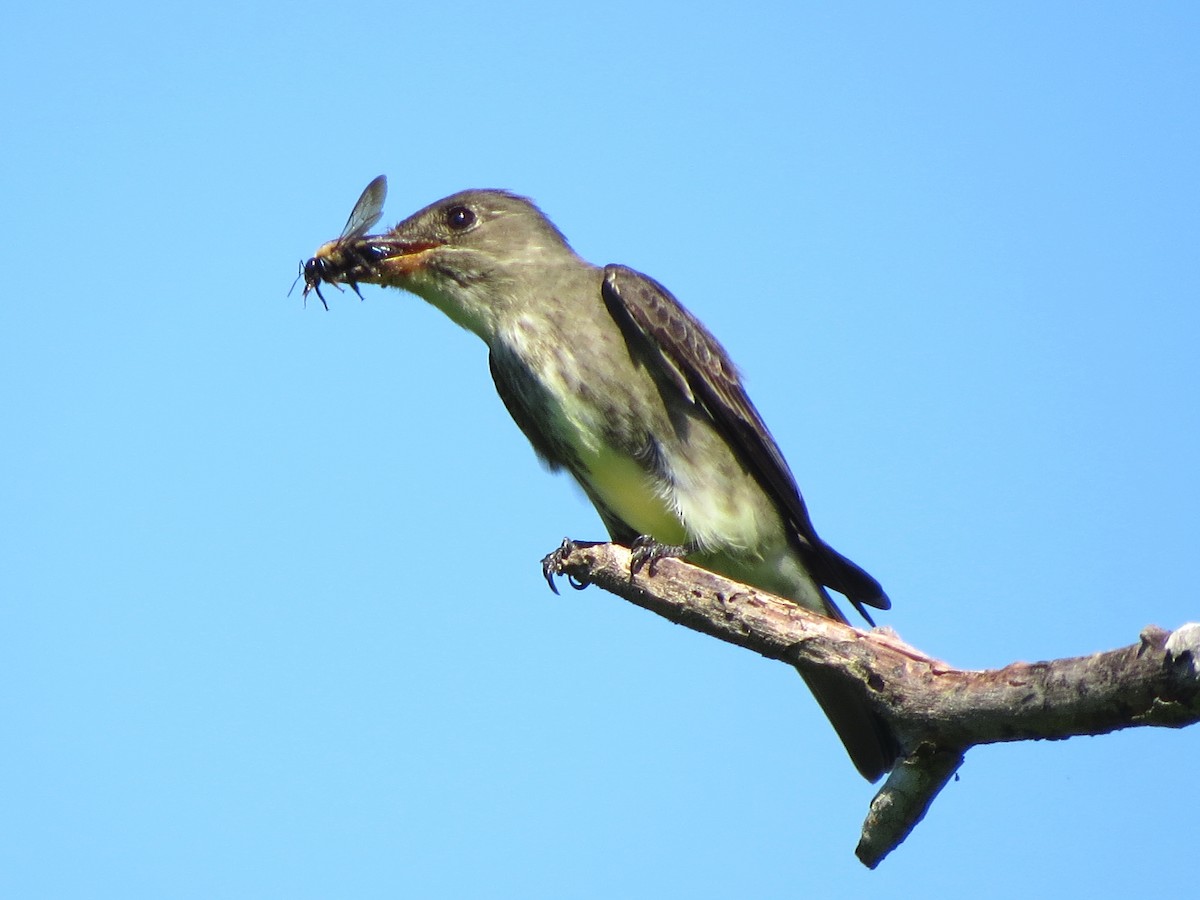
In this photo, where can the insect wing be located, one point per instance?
(367, 210)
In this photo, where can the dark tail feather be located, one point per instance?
(835, 571)
(872, 747)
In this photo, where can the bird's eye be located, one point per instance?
(460, 218)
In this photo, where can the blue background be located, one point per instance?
(272, 623)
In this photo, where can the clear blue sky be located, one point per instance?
(272, 623)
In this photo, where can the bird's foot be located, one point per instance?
(552, 564)
(646, 552)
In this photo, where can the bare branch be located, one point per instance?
(938, 712)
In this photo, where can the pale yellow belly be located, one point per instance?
(629, 492)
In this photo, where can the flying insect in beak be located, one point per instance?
(347, 259)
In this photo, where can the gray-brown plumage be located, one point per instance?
(613, 380)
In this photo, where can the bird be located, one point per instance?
(611, 379)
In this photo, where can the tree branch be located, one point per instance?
(938, 712)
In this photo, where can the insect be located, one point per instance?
(346, 259)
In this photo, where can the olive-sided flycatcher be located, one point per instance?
(610, 378)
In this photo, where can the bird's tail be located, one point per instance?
(872, 746)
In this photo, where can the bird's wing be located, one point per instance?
(698, 366)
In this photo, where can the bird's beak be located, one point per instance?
(399, 259)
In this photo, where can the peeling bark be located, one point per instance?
(937, 711)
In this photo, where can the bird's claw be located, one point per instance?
(646, 552)
(552, 565)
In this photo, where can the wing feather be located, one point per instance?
(698, 365)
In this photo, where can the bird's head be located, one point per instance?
(475, 255)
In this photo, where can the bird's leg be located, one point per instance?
(647, 552)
